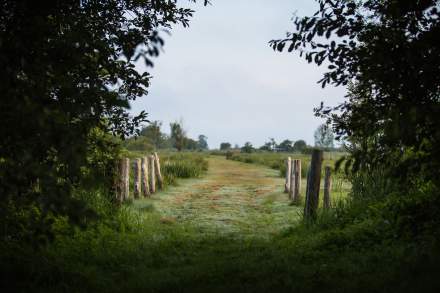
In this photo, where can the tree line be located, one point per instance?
(151, 137)
(323, 135)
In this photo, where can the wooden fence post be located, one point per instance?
(327, 187)
(288, 171)
(292, 181)
(152, 174)
(158, 173)
(313, 185)
(137, 178)
(145, 179)
(123, 180)
(297, 185)
(126, 178)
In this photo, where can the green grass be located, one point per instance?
(277, 161)
(232, 230)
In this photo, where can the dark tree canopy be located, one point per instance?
(247, 148)
(67, 77)
(299, 145)
(286, 146)
(178, 136)
(389, 51)
(202, 143)
(225, 146)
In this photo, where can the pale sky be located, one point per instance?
(221, 77)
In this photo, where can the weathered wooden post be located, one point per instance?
(122, 179)
(297, 183)
(152, 174)
(145, 182)
(158, 173)
(288, 171)
(327, 187)
(292, 181)
(313, 185)
(126, 178)
(137, 178)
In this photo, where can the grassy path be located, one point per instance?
(233, 198)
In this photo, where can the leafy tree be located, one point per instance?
(266, 147)
(286, 146)
(224, 146)
(247, 148)
(324, 136)
(178, 135)
(390, 52)
(68, 74)
(202, 142)
(299, 146)
(190, 144)
(269, 146)
(154, 134)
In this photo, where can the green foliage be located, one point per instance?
(68, 70)
(390, 51)
(286, 146)
(349, 251)
(184, 166)
(202, 143)
(299, 146)
(224, 146)
(139, 143)
(154, 135)
(178, 136)
(247, 148)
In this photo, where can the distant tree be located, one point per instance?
(266, 146)
(269, 145)
(236, 146)
(177, 135)
(154, 134)
(247, 148)
(203, 142)
(286, 146)
(324, 137)
(190, 144)
(224, 146)
(273, 143)
(299, 146)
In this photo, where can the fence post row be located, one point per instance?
(288, 174)
(145, 171)
(327, 187)
(313, 185)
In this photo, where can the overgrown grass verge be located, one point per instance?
(345, 251)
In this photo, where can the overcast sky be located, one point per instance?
(221, 77)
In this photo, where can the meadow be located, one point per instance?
(277, 160)
(230, 227)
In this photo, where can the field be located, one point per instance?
(230, 229)
(276, 161)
